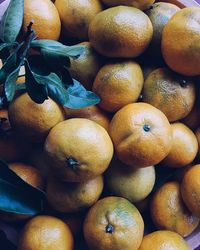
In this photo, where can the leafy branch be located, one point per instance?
(42, 80)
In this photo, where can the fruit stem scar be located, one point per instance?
(146, 127)
(72, 162)
(149, 8)
(109, 229)
(183, 83)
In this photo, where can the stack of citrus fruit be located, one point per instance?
(98, 165)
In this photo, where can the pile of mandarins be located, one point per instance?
(98, 164)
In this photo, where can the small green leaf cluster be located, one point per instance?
(46, 74)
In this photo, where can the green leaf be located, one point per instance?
(56, 90)
(9, 65)
(12, 21)
(5, 50)
(57, 53)
(79, 97)
(38, 65)
(58, 48)
(54, 59)
(21, 86)
(66, 77)
(9, 73)
(74, 51)
(10, 84)
(65, 51)
(6, 45)
(45, 43)
(35, 85)
(16, 195)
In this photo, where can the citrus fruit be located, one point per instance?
(120, 32)
(86, 66)
(197, 133)
(45, 233)
(140, 4)
(118, 84)
(173, 94)
(184, 146)
(113, 223)
(192, 120)
(78, 149)
(132, 184)
(76, 16)
(93, 113)
(180, 42)
(169, 212)
(190, 189)
(163, 240)
(33, 120)
(29, 174)
(73, 197)
(159, 14)
(45, 17)
(141, 135)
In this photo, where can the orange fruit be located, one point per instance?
(46, 233)
(163, 240)
(77, 15)
(33, 120)
(73, 197)
(21, 79)
(169, 212)
(192, 120)
(120, 32)
(159, 14)
(132, 184)
(92, 113)
(180, 46)
(78, 149)
(86, 66)
(29, 174)
(184, 146)
(141, 135)
(197, 133)
(118, 84)
(173, 94)
(45, 16)
(140, 4)
(113, 223)
(190, 189)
